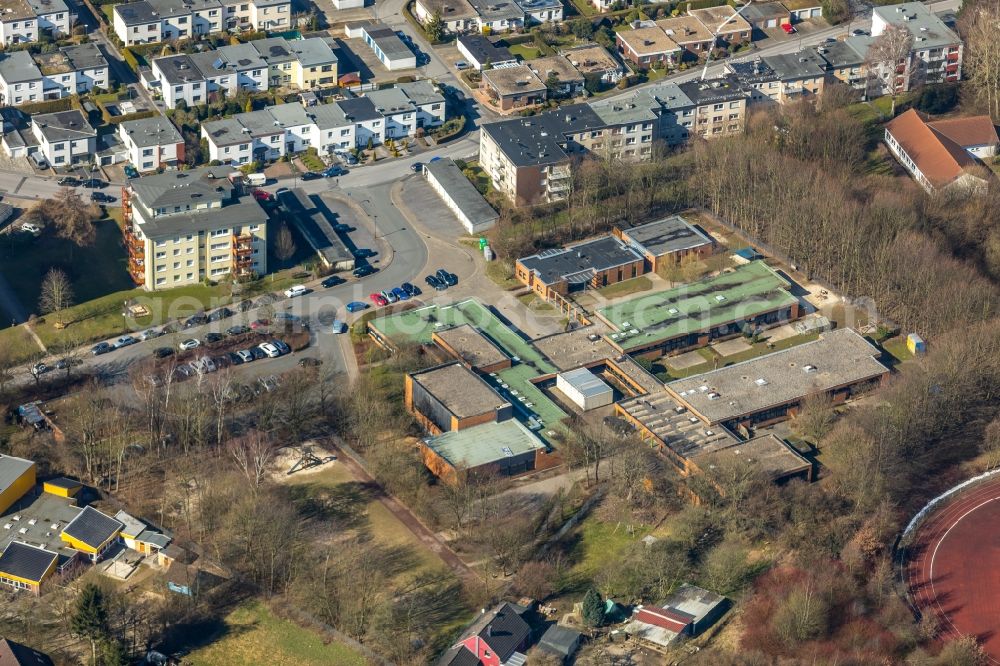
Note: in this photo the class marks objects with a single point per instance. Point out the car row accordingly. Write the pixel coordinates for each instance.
(441, 280)
(404, 292)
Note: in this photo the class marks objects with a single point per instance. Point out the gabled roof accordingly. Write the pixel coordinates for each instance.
(15, 654)
(92, 527)
(505, 632)
(939, 158)
(967, 132)
(26, 561)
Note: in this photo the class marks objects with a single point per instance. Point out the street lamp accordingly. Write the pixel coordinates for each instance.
(373, 216)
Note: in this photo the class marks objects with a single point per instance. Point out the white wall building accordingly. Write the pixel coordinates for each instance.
(585, 389)
(150, 21)
(64, 137)
(151, 143)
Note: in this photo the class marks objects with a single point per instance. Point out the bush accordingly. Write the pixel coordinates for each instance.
(130, 59)
(48, 106)
(937, 99)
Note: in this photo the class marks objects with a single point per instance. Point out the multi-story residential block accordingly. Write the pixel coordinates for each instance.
(150, 21)
(182, 227)
(720, 106)
(511, 88)
(488, 16)
(64, 137)
(269, 134)
(70, 70)
(152, 143)
(936, 53)
(782, 78)
(845, 60)
(23, 21)
(274, 62)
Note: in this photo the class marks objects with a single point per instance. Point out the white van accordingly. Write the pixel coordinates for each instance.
(256, 179)
(297, 290)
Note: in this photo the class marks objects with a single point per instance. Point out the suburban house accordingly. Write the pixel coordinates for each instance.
(594, 60)
(69, 70)
(729, 27)
(593, 263)
(687, 613)
(689, 33)
(304, 64)
(456, 16)
(276, 131)
(511, 88)
(936, 52)
(480, 52)
(559, 75)
(943, 154)
(185, 227)
(152, 143)
(764, 15)
(25, 21)
(151, 21)
(62, 138)
(384, 43)
(497, 638)
(648, 47)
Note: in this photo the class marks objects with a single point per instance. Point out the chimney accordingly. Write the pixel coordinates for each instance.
(489, 630)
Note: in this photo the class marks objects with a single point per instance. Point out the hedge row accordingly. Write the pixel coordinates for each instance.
(47, 106)
(117, 120)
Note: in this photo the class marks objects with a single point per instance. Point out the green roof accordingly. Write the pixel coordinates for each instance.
(743, 293)
(484, 444)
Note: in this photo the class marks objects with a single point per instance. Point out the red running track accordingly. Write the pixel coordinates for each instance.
(954, 566)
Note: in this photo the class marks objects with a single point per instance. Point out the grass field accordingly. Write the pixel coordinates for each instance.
(254, 635)
(525, 51)
(897, 349)
(598, 543)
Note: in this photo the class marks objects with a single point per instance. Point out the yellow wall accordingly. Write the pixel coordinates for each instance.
(17, 489)
(48, 572)
(78, 545)
(59, 490)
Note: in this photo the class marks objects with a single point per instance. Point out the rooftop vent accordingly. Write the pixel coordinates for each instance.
(760, 381)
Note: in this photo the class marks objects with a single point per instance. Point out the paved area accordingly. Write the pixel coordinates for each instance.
(730, 347)
(685, 360)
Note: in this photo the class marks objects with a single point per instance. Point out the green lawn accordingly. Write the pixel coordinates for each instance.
(525, 51)
(109, 11)
(254, 635)
(312, 162)
(635, 285)
(533, 302)
(897, 349)
(599, 543)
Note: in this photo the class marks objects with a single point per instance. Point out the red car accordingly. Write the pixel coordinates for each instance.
(378, 299)
(259, 323)
(788, 28)
(263, 196)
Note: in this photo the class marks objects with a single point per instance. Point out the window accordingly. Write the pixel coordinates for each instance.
(717, 107)
(244, 146)
(734, 105)
(182, 20)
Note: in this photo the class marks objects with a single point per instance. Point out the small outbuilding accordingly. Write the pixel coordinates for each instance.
(560, 641)
(915, 344)
(585, 389)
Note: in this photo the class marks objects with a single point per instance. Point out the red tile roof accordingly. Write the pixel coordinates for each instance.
(933, 146)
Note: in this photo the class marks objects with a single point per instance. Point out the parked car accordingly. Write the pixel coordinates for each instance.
(68, 181)
(68, 362)
(332, 281)
(434, 159)
(125, 341)
(94, 183)
(258, 324)
(246, 355)
(29, 228)
(39, 369)
(149, 334)
(213, 337)
(388, 296)
(378, 300)
(239, 329)
(281, 347)
(335, 171)
(39, 160)
(163, 352)
(364, 270)
(297, 290)
(130, 171)
(788, 28)
(364, 253)
(101, 197)
(400, 294)
(461, 64)
(263, 196)
(417, 167)
(257, 353)
(309, 362)
(410, 289)
(449, 279)
(183, 371)
(356, 306)
(270, 350)
(198, 319)
(433, 282)
(221, 313)
(287, 317)
(338, 327)
(101, 348)
(234, 358)
(190, 343)
(309, 175)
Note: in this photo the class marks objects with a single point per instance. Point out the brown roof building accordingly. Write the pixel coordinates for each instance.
(451, 397)
(689, 33)
(472, 348)
(724, 22)
(512, 88)
(945, 153)
(648, 47)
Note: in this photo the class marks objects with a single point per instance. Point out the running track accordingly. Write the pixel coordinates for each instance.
(954, 566)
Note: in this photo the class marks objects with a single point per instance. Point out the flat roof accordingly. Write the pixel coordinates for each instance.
(738, 294)
(538, 140)
(315, 226)
(646, 41)
(556, 66)
(928, 30)
(18, 66)
(685, 29)
(768, 453)
(11, 469)
(26, 561)
(518, 79)
(449, 10)
(578, 263)
(482, 49)
(463, 193)
(585, 381)
(460, 390)
(475, 348)
(50, 514)
(671, 234)
(15, 10)
(591, 58)
(721, 20)
(838, 358)
(92, 527)
(675, 426)
(484, 444)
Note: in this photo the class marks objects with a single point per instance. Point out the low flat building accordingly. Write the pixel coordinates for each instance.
(451, 397)
(510, 88)
(729, 27)
(594, 60)
(26, 567)
(480, 52)
(384, 43)
(585, 389)
(750, 297)
(690, 34)
(461, 196)
(138, 536)
(152, 143)
(312, 223)
(91, 533)
(506, 448)
(17, 477)
(764, 15)
(775, 459)
(648, 48)
(687, 613)
(593, 263)
(559, 75)
(943, 154)
(770, 388)
(667, 242)
(472, 348)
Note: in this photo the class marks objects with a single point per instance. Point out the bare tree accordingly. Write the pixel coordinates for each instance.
(252, 453)
(57, 293)
(889, 52)
(284, 244)
(982, 60)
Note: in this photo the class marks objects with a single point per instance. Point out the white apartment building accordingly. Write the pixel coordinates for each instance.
(71, 70)
(150, 21)
(151, 143)
(64, 137)
(936, 53)
(21, 21)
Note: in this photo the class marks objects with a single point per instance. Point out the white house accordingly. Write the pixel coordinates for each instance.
(73, 70)
(150, 21)
(52, 17)
(151, 143)
(64, 137)
(20, 79)
(21, 21)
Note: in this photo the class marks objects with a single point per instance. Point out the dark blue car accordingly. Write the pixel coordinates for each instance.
(356, 306)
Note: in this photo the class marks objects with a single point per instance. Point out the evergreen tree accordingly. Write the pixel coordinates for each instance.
(593, 608)
(90, 617)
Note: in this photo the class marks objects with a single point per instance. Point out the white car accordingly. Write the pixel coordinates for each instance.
(125, 341)
(150, 333)
(245, 355)
(190, 343)
(269, 349)
(203, 365)
(297, 290)
(30, 228)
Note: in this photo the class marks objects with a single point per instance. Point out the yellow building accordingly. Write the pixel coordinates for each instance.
(183, 227)
(91, 533)
(17, 477)
(303, 63)
(26, 567)
(62, 487)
